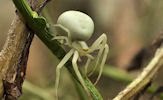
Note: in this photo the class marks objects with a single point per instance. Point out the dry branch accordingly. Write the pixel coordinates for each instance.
(144, 78)
(13, 59)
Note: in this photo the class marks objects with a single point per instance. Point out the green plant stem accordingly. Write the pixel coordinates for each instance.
(117, 74)
(39, 26)
(37, 91)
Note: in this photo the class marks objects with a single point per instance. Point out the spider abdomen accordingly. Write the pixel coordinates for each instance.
(80, 25)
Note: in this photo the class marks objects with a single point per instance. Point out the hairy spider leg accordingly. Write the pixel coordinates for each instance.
(75, 67)
(101, 41)
(58, 70)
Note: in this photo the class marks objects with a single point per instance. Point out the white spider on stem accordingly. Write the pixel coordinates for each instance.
(79, 27)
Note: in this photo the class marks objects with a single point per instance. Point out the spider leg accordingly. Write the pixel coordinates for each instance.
(59, 66)
(62, 39)
(75, 67)
(64, 32)
(62, 27)
(98, 44)
(97, 61)
(106, 50)
(86, 65)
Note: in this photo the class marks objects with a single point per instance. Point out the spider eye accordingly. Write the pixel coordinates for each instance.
(80, 25)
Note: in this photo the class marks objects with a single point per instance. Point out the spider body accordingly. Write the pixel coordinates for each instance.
(80, 25)
(74, 29)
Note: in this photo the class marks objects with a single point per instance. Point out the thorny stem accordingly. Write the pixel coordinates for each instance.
(45, 35)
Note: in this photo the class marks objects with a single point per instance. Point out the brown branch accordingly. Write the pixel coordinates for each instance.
(13, 58)
(144, 78)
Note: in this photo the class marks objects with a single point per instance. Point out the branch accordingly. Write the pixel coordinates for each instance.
(13, 59)
(142, 80)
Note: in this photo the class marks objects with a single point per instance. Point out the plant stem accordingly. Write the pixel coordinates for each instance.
(37, 91)
(117, 74)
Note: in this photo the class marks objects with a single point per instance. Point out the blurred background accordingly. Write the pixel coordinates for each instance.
(130, 26)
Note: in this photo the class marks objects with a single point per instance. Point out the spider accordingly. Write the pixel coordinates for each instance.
(75, 28)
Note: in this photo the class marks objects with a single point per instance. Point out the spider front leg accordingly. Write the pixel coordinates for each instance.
(87, 65)
(75, 67)
(97, 46)
(64, 34)
(106, 50)
(62, 39)
(58, 68)
(101, 45)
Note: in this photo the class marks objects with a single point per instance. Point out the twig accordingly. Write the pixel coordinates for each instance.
(11, 54)
(122, 76)
(142, 80)
(13, 59)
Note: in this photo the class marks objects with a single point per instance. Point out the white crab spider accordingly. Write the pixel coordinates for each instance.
(76, 28)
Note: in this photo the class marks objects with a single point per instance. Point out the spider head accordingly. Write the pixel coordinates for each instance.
(79, 25)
